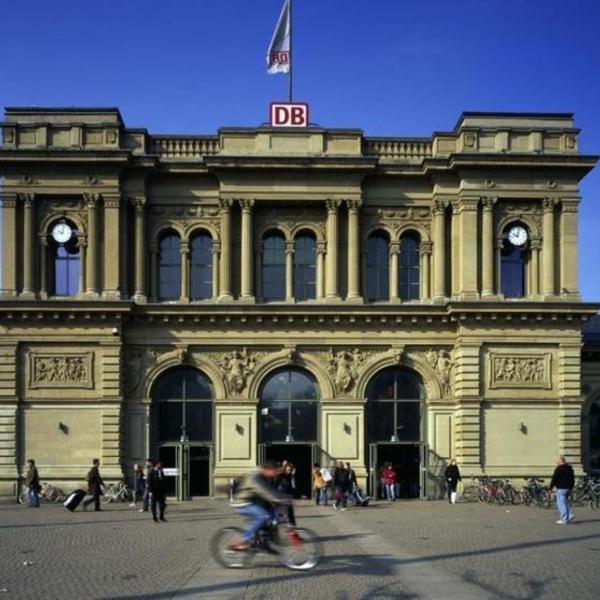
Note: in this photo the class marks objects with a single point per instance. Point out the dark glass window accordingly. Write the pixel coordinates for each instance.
(273, 267)
(512, 271)
(305, 258)
(288, 407)
(378, 267)
(594, 424)
(169, 268)
(65, 267)
(183, 405)
(408, 265)
(201, 267)
(394, 406)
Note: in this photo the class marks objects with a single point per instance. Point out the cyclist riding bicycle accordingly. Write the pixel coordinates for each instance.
(257, 499)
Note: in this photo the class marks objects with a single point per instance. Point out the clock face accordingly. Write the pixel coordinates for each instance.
(517, 236)
(62, 233)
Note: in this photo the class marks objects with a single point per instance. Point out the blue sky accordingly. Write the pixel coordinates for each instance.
(389, 67)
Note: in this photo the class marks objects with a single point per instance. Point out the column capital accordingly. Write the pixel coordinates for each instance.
(225, 204)
(425, 248)
(92, 200)
(289, 247)
(332, 205)
(536, 244)
(322, 247)
(354, 204)
(246, 204)
(548, 203)
(43, 239)
(438, 207)
(499, 243)
(394, 248)
(184, 247)
(26, 198)
(215, 247)
(82, 241)
(139, 203)
(111, 201)
(487, 202)
(9, 199)
(467, 204)
(569, 205)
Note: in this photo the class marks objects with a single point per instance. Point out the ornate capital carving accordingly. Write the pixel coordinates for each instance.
(246, 204)
(321, 247)
(139, 203)
(289, 247)
(548, 203)
(27, 179)
(225, 204)
(26, 198)
(438, 207)
(332, 205)
(426, 248)
(394, 248)
(184, 247)
(92, 200)
(354, 204)
(487, 202)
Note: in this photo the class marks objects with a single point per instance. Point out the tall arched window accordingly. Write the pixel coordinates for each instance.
(594, 435)
(409, 267)
(273, 267)
(182, 406)
(288, 407)
(395, 397)
(169, 267)
(64, 259)
(378, 267)
(201, 267)
(305, 258)
(513, 261)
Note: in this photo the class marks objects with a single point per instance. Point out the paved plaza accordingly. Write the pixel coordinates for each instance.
(404, 550)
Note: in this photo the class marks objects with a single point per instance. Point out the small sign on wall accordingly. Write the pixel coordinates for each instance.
(288, 114)
(171, 472)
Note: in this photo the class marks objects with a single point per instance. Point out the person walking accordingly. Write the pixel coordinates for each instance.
(95, 484)
(146, 497)
(32, 481)
(563, 480)
(452, 475)
(319, 486)
(157, 489)
(390, 478)
(139, 485)
(340, 482)
(327, 476)
(286, 484)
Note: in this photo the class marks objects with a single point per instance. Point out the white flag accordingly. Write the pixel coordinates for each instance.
(278, 55)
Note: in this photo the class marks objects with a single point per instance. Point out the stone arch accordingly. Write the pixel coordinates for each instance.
(411, 228)
(164, 227)
(309, 228)
(178, 358)
(291, 359)
(378, 228)
(196, 228)
(527, 220)
(278, 229)
(56, 216)
(433, 386)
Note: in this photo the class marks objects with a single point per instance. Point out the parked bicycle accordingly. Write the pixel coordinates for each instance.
(48, 493)
(586, 491)
(536, 494)
(117, 492)
(296, 548)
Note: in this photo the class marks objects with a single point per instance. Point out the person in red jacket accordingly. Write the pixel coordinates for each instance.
(389, 477)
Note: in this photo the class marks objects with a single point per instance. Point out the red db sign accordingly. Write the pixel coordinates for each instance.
(288, 114)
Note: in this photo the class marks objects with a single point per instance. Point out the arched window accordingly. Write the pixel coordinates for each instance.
(305, 258)
(288, 407)
(409, 267)
(594, 433)
(65, 260)
(378, 267)
(273, 267)
(169, 267)
(513, 261)
(201, 267)
(182, 406)
(394, 406)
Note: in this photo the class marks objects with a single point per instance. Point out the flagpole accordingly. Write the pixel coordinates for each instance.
(291, 55)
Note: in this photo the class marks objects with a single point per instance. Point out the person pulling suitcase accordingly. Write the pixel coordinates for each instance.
(95, 484)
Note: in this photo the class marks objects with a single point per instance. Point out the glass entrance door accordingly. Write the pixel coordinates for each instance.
(409, 462)
(187, 469)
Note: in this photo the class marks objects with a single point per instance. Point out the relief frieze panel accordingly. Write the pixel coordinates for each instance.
(67, 370)
(520, 370)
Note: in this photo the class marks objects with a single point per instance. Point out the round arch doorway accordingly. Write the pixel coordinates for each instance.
(394, 431)
(182, 430)
(288, 422)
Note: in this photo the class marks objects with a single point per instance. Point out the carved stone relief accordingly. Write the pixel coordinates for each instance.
(273, 218)
(344, 367)
(397, 218)
(65, 207)
(184, 217)
(517, 371)
(61, 370)
(236, 367)
(443, 362)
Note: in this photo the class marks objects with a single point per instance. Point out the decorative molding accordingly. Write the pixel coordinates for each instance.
(444, 363)
(236, 367)
(344, 367)
(510, 370)
(66, 370)
(28, 179)
(91, 180)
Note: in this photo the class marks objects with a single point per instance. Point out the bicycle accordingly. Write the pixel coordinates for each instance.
(470, 490)
(297, 548)
(534, 492)
(117, 493)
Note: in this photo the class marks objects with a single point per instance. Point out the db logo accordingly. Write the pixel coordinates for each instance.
(288, 114)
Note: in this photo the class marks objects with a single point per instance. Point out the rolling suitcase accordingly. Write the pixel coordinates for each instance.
(74, 500)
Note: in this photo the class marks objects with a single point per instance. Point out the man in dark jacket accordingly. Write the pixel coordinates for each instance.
(32, 481)
(564, 482)
(452, 475)
(95, 484)
(341, 481)
(158, 492)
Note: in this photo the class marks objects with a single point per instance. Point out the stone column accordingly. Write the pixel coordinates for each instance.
(439, 251)
(353, 250)
(321, 251)
(247, 279)
(569, 279)
(82, 244)
(216, 252)
(184, 249)
(332, 249)
(498, 245)
(28, 245)
(535, 267)
(225, 294)
(467, 276)
(9, 246)
(43, 245)
(548, 283)
(394, 253)
(289, 271)
(112, 254)
(153, 248)
(140, 249)
(92, 201)
(425, 253)
(487, 247)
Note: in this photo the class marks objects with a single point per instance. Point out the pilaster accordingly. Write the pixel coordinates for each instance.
(332, 250)
(225, 293)
(548, 278)
(184, 250)
(487, 247)
(354, 251)
(468, 255)
(439, 245)
(569, 278)
(139, 203)
(28, 248)
(8, 418)
(92, 287)
(112, 254)
(394, 252)
(247, 278)
(425, 254)
(9, 245)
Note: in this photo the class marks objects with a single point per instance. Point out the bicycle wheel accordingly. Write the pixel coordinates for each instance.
(109, 494)
(22, 497)
(299, 548)
(230, 559)
(52, 494)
